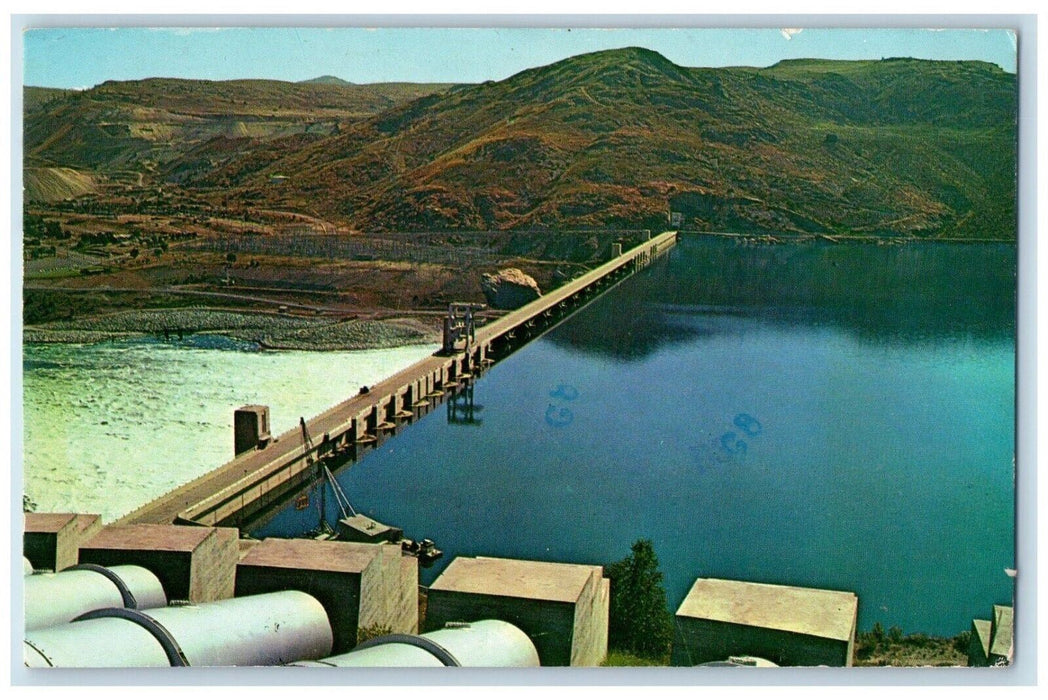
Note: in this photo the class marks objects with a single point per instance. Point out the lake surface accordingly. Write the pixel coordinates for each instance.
(836, 416)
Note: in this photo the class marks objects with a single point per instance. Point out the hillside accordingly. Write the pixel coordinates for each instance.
(616, 138)
(33, 98)
(56, 184)
(142, 125)
(326, 80)
(609, 139)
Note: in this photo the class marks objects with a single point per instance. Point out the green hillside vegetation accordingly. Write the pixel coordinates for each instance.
(893, 648)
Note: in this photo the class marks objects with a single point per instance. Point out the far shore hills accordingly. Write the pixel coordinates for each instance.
(325, 215)
(66, 305)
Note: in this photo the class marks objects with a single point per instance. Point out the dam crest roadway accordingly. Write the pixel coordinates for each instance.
(267, 471)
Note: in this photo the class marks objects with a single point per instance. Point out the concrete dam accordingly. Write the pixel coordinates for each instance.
(267, 470)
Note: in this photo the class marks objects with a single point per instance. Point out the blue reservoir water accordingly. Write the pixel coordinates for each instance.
(836, 416)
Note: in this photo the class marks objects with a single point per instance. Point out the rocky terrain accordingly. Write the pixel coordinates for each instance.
(349, 199)
(509, 288)
(165, 130)
(268, 330)
(614, 138)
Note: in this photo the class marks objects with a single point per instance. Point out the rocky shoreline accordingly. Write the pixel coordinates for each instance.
(268, 330)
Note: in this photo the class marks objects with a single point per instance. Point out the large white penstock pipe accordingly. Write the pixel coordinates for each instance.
(263, 630)
(488, 643)
(51, 599)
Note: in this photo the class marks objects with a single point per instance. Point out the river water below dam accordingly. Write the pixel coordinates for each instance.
(838, 416)
(111, 426)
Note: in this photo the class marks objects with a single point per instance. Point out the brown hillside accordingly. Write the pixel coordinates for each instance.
(56, 184)
(610, 139)
(144, 124)
(617, 138)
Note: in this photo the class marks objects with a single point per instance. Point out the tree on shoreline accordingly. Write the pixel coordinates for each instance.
(639, 621)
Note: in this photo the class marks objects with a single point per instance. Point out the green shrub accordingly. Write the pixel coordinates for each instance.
(372, 632)
(624, 658)
(920, 640)
(639, 621)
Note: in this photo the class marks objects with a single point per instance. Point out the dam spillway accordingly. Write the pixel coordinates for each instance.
(259, 479)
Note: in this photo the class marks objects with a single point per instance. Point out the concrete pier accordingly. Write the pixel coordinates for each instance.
(563, 608)
(51, 541)
(197, 564)
(787, 625)
(260, 479)
(363, 587)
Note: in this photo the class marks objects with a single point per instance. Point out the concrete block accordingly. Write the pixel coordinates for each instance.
(979, 643)
(361, 586)
(380, 592)
(245, 546)
(405, 610)
(991, 640)
(563, 608)
(193, 563)
(1001, 635)
(589, 644)
(250, 428)
(361, 528)
(52, 540)
(90, 525)
(787, 625)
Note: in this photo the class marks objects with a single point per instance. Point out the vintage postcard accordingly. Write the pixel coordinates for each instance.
(515, 346)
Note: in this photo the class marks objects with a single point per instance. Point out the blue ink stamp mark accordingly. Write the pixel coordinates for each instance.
(558, 417)
(565, 391)
(748, 424)
(732, 445)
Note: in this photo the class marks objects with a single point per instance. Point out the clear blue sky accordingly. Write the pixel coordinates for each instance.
(83, 57)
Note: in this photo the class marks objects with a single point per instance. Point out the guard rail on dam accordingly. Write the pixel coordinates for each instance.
(256, 481)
